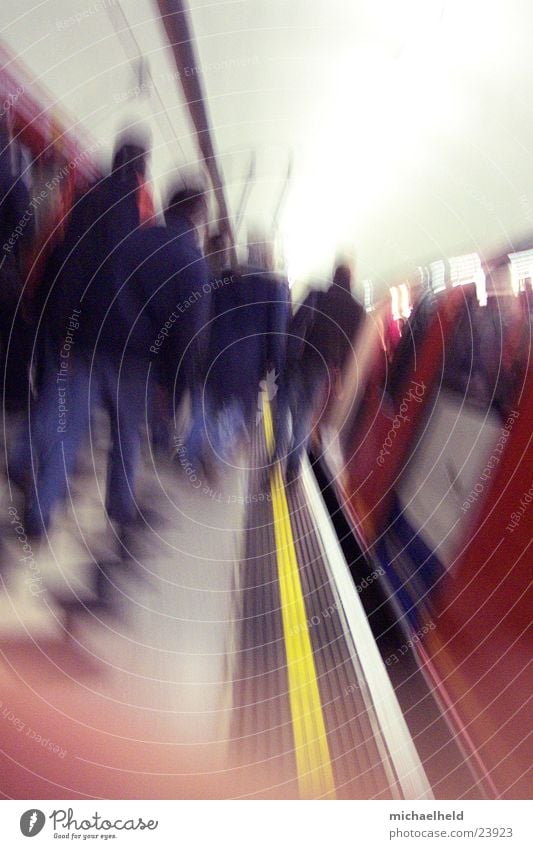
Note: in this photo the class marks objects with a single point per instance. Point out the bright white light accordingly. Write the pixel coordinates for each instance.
(368, 289)
(404, 304)
(481, 288)
(365, 147)
(379, 108)
(395, 303)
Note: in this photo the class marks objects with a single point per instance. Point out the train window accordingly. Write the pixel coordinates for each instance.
(424, 277)
(444, 469)
(521, 270)
(368, 294)
(467, 269)
(437, 275)
(479, 365)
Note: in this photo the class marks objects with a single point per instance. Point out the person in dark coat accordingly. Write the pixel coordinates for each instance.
(78, 278)
(320, 339)
(86, 265)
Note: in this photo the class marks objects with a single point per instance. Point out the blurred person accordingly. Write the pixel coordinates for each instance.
(320, 338)
(274, 309)
(101, 222)
(402, 360)
(503, 337)
(78, 277)
(249, 320)
(205, 404)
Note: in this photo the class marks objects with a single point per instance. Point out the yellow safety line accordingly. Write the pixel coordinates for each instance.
(313, 762)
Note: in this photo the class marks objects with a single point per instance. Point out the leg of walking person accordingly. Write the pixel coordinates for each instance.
(125, 394)
(305, 391)
(62, 417)
(40, 418)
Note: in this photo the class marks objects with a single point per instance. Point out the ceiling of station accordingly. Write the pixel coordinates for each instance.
(408, 125)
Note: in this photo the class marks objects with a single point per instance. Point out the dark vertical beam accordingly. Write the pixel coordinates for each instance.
(176, 21)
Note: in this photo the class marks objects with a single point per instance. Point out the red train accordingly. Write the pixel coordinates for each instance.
(433, 468)
(45, 150)
(433, 438)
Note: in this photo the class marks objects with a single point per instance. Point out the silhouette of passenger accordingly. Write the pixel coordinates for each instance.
(249, 320)
(113, 339)
(320, 339)
(79, 279)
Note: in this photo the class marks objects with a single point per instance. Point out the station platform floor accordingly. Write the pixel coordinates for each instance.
(220, 651)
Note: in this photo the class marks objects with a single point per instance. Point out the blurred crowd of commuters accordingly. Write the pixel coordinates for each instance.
(143, 318)
(151, 318)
